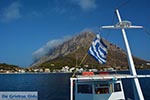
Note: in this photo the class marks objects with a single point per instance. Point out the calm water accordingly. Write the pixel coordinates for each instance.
(55, 86)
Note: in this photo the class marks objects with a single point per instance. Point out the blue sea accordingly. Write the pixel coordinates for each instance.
(56, 86)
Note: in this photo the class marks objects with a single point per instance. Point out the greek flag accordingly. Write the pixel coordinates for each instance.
(98, 50)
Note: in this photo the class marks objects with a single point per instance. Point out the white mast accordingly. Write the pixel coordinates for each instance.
(125, 25)
(130, 59)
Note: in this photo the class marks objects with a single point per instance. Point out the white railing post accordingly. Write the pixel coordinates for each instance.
(71, 89)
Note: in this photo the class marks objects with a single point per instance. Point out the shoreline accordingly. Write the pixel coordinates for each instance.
(66, 72)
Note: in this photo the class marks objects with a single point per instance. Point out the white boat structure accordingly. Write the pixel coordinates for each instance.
(105, 86)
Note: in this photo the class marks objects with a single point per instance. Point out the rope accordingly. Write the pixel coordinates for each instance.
(109, 31)
(123, 4)
(79, 64)
(83, 59)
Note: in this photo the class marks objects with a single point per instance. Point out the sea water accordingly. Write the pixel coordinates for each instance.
(56, 86)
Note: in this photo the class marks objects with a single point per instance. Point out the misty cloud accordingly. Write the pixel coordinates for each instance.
(48, 47)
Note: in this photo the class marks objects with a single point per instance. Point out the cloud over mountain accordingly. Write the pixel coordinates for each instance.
(48, 47)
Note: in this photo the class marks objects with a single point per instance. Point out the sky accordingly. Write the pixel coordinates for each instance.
(28, 28)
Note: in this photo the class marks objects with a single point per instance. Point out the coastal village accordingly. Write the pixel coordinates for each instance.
(66, 69)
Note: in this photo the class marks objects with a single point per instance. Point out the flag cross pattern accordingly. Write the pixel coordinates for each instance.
(98, 50)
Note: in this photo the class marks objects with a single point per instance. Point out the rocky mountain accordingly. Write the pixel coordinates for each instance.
(71, 53)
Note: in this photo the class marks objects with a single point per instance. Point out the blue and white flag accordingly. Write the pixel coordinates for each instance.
(98, 50)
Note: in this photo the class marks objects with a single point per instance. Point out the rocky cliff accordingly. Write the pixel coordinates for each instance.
(72, 52)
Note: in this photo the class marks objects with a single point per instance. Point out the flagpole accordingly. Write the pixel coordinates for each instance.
(131, 63)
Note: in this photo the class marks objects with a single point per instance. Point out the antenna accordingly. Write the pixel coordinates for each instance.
(127, 25)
